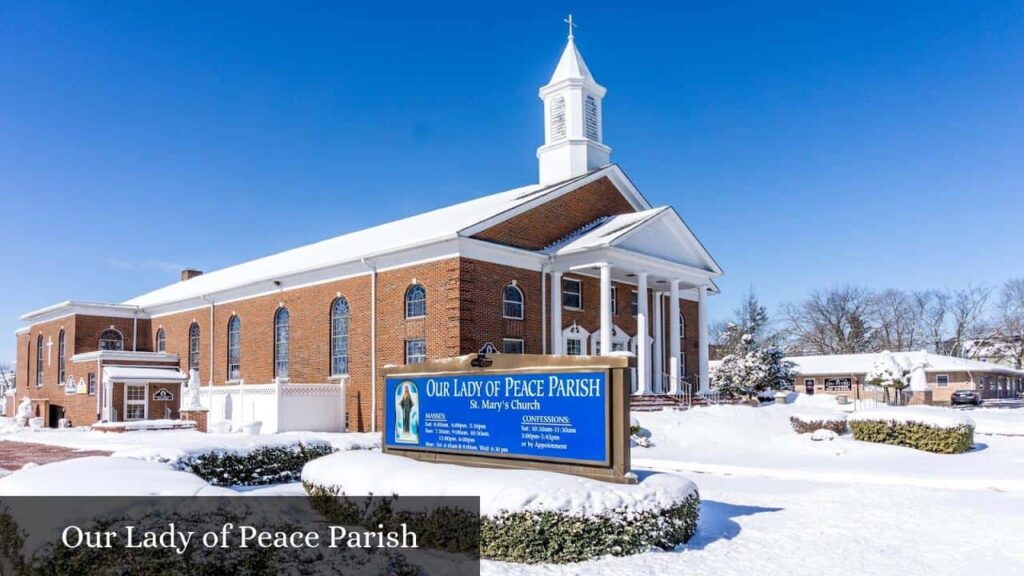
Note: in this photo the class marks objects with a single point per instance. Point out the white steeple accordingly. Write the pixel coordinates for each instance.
(572, 119)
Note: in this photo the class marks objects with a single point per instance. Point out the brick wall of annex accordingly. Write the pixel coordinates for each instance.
(544, 224)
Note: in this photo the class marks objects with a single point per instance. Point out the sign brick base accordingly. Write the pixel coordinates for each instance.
(197, 416)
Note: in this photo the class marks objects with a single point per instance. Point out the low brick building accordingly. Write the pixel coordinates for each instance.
(579, 263)
(846, 374)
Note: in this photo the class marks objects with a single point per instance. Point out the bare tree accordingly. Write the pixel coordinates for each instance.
(833, 321)
(899, 317)
(970, 331)
(6, 377)
(1011, 321)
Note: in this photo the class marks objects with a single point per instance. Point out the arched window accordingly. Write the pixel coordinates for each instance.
(161, 341)
(339, 337)
(590, 117)
(60, 358)
(512, 302)
(234, 348)
(416, 301)
(193, 346)
(281, 343)
(558, 118)
(682, 327)
(39, 361)
(111, 339)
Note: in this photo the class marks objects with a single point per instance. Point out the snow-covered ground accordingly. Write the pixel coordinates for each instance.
(768, 527)
(744, 441)
(774, 502)
(169, 445)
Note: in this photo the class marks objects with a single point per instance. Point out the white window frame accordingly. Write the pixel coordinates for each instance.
(144, 402)
(100, 340)
(578, 293)
(506, 341)
(421, 357)
(634, 306)
(940, 384)
(505, 303)
(574, 339)
(575, 332)
(615, 300)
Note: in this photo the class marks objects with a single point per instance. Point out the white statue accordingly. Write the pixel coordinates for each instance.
(24, 409)
(192, 392)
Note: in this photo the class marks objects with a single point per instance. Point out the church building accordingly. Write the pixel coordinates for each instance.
(579, 263)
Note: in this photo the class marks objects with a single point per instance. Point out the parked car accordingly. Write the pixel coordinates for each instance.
(966, 397)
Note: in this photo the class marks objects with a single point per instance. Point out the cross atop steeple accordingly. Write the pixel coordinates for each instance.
(571, 25)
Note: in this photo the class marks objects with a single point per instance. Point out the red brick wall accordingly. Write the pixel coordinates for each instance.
(464, 310)
(544, 224)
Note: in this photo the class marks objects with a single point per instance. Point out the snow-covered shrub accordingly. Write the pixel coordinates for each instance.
(823, 435)
(525, 515)
(554, 537)
(806, 424)
(263, 465)
(928, 431)
(750, 372)
(891, 375)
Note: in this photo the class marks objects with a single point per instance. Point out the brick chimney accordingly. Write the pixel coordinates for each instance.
(190, 273)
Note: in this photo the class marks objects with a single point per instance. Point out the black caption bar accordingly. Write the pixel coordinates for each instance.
(234, 535)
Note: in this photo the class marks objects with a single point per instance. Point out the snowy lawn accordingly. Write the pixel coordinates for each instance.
(105, 476)
(744, 441)
(173, 445)
(766, 527)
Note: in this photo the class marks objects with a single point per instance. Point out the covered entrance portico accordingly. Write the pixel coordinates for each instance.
(655, 251)
(141, 393)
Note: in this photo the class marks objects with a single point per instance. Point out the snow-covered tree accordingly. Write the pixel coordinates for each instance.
(891, 375)
(752, 370)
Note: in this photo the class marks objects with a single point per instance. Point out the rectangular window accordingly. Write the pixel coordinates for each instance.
(92, 384)
(512, 346)
(615, 300)
(636, 303)
(574, 347)
(134, 402)
(415, 351)
(572, 293)
(942, 380)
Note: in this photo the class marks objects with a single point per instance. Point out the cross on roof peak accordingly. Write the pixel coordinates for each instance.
(571, 25)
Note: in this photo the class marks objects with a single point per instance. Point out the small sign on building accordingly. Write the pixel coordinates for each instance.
(81, 387)
(70, 387)
(163, 395)
(488, 348)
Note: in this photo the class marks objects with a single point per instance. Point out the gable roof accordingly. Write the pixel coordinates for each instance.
(644, 232)
(437, 225)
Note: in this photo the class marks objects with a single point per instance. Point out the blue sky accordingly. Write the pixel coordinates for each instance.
(807, 144)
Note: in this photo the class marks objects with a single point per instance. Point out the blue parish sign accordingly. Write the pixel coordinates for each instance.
(559, 416)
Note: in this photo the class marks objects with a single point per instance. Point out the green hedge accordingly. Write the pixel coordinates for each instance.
(265, 465)
(552, 537)
(915, 435)
(804, 426)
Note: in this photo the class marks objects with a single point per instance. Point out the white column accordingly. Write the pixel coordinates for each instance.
(606, 309)
(643, 359)
(659, 343)
(702, 338)
(673, 336)
(556, 312)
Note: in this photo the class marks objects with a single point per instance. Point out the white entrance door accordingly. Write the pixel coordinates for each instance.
(135, 405)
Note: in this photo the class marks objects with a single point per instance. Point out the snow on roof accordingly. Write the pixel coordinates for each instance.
(416, 230)
(605, 232)
(862, 363)
(138, 373)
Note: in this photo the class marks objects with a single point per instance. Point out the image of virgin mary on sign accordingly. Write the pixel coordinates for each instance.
(407, 413)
